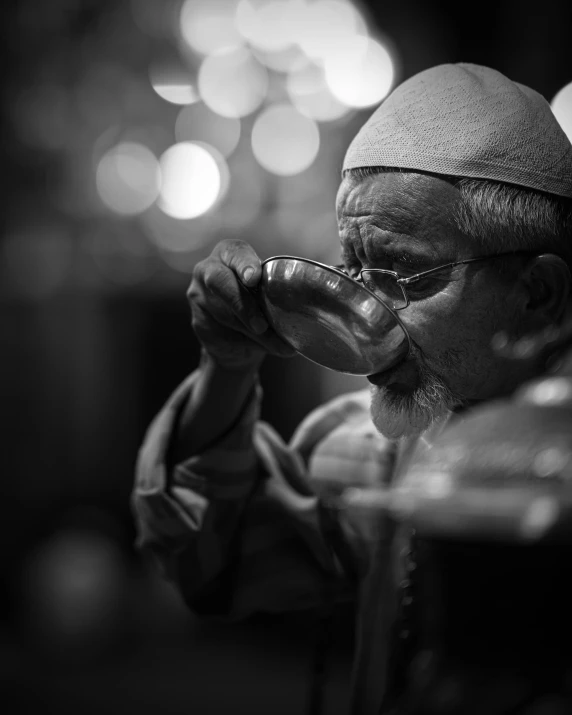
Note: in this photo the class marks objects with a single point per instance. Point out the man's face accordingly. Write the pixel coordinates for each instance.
(402, 222)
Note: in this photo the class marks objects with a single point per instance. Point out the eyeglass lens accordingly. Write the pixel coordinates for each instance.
(387, 286)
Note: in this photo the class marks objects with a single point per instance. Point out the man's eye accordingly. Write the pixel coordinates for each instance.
(422, 285)
(403, 270)
(428, 284)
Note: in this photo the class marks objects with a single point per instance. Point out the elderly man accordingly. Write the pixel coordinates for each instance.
(460, 172)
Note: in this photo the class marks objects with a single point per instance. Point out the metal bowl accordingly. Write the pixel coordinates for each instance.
(329, 318)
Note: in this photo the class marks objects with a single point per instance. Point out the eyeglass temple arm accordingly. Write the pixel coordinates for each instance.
(417, 276)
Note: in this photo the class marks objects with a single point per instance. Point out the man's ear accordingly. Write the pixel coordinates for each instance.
(548, 283)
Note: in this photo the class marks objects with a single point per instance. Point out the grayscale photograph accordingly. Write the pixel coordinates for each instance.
(286, 308)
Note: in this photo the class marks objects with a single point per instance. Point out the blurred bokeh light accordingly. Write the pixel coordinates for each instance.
(287, 60)
(269, 26)
(284, 141)
(232, 82)
(176, 238)
(128, 178)
(325, 26)
(256, 74)
(74, 585)
(172, 84)
(361, 73)
(562, 107)
(208, 26)
(192, 180)
(311, 95)
(199, 123)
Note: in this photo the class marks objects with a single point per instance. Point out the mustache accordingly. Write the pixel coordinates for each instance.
(397, 413)
(433, 389)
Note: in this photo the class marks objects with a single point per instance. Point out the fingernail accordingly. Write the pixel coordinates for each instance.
(258, 325)
(247, 274)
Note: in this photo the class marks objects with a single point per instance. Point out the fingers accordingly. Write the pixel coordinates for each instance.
(217, 287)
(241, 258)
(222, 336)
(243, 263)
(226, 316)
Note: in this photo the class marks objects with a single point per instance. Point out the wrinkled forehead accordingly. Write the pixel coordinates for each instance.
(410, 204)
(409, 196)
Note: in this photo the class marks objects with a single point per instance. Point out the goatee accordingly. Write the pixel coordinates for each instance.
(397, 412)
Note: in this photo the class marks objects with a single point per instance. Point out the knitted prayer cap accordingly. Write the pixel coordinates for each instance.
(467, 120)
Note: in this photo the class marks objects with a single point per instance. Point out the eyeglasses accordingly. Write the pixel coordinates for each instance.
(399, 291)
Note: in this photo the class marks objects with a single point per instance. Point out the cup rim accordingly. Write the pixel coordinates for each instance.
(355, 285)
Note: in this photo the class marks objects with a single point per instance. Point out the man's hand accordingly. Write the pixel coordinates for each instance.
(226, 316)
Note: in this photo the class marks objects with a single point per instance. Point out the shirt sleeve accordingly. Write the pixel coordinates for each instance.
(241, 529)
(236, 528)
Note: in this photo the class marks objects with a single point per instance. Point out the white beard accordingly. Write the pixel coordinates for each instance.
(396, 414)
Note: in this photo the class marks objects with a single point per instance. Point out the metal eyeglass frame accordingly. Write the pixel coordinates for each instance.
(402, 282)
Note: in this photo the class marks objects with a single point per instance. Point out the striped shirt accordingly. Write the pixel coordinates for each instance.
(251, 524)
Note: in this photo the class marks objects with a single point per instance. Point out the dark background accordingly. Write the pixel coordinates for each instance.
(89, 355)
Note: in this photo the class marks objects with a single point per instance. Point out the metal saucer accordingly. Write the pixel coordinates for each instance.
(329, 318)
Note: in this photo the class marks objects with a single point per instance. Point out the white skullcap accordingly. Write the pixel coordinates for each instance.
(467, 120)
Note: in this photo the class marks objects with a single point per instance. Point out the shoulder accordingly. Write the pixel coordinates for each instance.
(342, 448)
(341, 423)
(351, 408)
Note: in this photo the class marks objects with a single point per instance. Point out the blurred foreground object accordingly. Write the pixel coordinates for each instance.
(484, 620)
(505, 471)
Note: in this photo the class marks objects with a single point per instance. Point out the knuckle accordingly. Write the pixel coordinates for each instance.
(197, 272)
(233, 248)
(194, 290)
(194, 293)
(212, 276)
(199, 266)
(237, 305)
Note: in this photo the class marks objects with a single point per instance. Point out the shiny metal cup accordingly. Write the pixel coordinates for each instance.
(329, 318)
